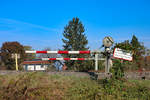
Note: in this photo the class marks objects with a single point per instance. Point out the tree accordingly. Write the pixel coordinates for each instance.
(137, 47)
(138, 50)
(29, 56)
(9, 48)
(75, 39)
(124, 45)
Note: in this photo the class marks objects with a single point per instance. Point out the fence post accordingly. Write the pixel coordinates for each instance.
(16, 58)
(96, 61)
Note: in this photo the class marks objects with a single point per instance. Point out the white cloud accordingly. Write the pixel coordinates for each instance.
(28, 34)
(16, 24)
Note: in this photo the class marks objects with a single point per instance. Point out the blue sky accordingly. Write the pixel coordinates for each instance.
(40, 23)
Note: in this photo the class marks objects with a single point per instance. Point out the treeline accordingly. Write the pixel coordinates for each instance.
(141, 54)
(75, 39)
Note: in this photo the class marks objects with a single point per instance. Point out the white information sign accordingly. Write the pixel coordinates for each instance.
(122, 54)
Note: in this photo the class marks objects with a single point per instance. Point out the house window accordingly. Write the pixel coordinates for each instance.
(42, 66)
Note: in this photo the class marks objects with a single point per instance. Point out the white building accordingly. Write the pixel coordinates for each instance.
(35, 65)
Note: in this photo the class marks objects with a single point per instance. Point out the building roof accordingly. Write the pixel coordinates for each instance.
(36, 62)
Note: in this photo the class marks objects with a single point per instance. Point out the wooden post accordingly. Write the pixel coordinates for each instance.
(16, 59)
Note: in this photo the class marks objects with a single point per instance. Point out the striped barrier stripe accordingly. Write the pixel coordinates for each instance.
(60, 52)
(65, 59)
(70, 59)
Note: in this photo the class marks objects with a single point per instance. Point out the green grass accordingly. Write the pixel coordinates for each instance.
(42, 86)
(145, 83)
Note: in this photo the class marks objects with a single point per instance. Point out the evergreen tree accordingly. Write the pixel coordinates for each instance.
(74, 40)
(124, 45)
(138, 50)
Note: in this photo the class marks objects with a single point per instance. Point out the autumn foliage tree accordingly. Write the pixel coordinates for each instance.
(9, 48)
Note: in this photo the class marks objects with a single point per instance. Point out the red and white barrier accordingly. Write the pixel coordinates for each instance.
(69, 52)
(65, 58)
(70, 59)
(60, 52)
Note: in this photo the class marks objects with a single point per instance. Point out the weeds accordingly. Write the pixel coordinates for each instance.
(41, 86)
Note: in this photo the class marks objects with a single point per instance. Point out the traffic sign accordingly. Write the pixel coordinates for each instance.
(122, 54)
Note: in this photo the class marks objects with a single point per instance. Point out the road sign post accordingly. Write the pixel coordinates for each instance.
(107, 60)
(107, 42)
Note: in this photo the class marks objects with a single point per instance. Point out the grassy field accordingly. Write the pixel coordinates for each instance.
(42, 86)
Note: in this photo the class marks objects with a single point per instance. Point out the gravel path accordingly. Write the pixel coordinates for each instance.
(64, 73)
(128, 75)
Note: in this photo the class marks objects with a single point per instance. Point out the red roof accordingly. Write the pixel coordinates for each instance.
(36, 62)
(147, 58)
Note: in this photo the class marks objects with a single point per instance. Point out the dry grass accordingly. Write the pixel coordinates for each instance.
(39, 86)
(42, 86)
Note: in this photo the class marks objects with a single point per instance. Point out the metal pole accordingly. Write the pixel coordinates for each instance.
(106, 65)
(16, 61)
(107, 62)
(96, 62)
